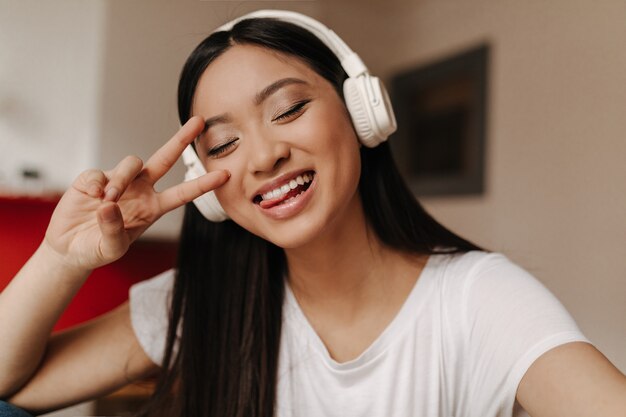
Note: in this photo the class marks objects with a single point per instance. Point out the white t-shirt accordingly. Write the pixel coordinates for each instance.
(459, 346)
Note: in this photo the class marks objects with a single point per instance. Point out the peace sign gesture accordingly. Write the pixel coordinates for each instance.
(103, 212)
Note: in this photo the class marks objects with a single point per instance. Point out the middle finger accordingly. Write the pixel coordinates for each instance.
(123, 174)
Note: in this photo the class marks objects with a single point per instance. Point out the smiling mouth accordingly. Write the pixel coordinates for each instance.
(286, 192)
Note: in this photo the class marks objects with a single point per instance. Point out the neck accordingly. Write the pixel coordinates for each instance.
(348, 267)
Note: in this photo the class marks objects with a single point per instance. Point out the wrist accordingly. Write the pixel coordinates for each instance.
(57, 261)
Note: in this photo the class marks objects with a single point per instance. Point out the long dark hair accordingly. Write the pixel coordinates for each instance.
(229, 288)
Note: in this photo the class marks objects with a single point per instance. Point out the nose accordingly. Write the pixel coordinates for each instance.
(267, 153)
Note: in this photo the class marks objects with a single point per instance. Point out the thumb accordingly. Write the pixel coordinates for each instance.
(115, 240)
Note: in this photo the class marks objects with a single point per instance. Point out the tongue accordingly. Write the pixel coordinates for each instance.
(276, 201)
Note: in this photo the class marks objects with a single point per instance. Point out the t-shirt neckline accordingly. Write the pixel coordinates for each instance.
(406, 315)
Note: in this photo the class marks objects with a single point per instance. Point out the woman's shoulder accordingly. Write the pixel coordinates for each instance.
(462, 267)
(161, 282)
(485, 270)
(487, 291)
(149, 305)
(481, 275)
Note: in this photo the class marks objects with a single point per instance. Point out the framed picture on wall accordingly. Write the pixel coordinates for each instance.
(441, 110)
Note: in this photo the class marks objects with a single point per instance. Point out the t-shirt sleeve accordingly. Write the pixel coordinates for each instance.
(149, 313)
(511, 320)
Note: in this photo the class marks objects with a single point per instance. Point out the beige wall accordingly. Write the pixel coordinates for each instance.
(49, 97)
(556, 171)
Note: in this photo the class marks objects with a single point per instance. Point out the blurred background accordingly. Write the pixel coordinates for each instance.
(84, 83)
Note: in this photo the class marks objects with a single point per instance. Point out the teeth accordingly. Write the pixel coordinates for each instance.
(285, 188)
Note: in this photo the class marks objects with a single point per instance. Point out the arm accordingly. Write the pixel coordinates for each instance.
(573, 380)
(86, 362)
(525, 345)
(29, 308)
(94, 223)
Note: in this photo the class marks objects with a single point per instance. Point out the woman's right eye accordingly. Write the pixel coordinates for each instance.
(218, 150)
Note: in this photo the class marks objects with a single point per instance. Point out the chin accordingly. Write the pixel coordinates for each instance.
(294, 235)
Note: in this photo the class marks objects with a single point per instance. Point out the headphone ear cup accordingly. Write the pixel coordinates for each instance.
(370, 108)
(358, 111)
(208, 203)
(210, 207)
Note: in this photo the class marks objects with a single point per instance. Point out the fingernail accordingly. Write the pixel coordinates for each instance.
(111, 194)
(108, 215)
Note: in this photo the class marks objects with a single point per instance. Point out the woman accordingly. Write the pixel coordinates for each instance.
(330, 291)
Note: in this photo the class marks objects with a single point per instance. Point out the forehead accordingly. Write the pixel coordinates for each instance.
(244, 70)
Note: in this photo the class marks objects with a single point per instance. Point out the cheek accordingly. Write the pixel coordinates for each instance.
(341, 151)
(350, 165)
(329, 130)
(231, 197)
(230, 194)
(351, 169)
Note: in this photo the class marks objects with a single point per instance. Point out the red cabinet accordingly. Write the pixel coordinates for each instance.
(23, 222)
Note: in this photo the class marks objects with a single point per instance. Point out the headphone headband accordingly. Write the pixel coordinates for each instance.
(350, 61)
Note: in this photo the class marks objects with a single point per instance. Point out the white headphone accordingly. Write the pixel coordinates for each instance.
(366, 99)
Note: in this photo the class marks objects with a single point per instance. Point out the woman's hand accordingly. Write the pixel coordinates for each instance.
(103, 212)
(94, 224)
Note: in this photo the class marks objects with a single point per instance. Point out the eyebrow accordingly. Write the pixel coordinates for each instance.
(212, 121)
(259, 98)
(274, 87)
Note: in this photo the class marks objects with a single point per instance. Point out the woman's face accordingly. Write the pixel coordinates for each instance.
(285, 135)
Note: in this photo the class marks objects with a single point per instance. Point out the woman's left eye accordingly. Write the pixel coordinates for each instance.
(296, 109)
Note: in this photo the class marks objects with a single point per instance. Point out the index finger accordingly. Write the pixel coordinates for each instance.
(167, 155)
(188, 191)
